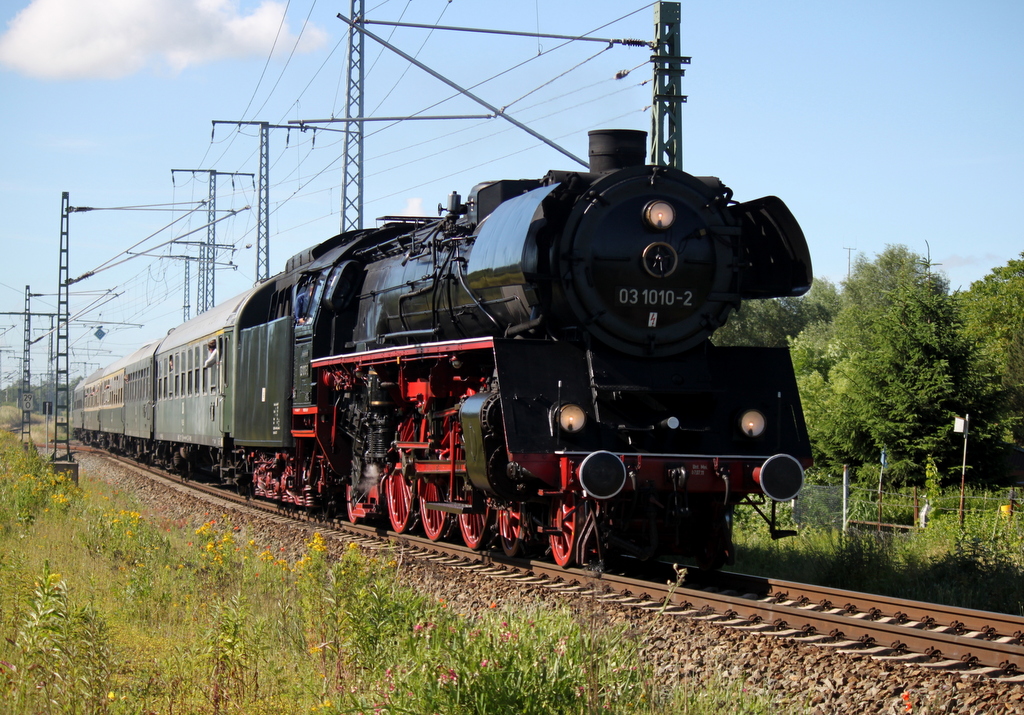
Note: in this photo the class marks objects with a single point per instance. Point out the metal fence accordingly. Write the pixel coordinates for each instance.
(841, 506)
(820, 506)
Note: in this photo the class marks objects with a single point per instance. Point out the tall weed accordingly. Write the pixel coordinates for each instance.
(62, 658)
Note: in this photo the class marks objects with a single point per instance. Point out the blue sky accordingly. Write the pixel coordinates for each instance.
(877, 123)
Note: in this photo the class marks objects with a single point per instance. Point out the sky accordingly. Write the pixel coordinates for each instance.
(877, 122)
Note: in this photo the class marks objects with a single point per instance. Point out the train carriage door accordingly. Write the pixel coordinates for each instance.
(148, 399)
(210, 367)
(221, 372)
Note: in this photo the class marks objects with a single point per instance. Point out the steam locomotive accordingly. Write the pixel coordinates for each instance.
(531, 369)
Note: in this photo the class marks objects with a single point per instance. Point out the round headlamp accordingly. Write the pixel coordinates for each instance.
(659, 215)
(752, 423)
(571, 418)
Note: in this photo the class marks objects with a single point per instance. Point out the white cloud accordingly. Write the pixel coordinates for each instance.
(76, 39)
(413, 207)
(957, 261)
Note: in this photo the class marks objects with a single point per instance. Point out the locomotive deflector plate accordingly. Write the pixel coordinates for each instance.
(530, 372)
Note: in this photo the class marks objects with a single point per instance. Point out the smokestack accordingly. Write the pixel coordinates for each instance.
(612, 149)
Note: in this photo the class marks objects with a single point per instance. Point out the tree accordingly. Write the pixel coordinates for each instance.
(994, 317)
(774, 322)
(895, 371)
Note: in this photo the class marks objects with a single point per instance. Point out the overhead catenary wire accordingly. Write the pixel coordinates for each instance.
(169, 206)
(288, 60)
(277, 205)
(539, 35)
(461, 91)
(306, 150)
(558, 77)
(102, 266)
(520, 64)
(466, 92)
(255, 90)
(98, 303)
(380, 53)
(330, 165)
(111, 263)
(270, 55)
(407, 67)
(460, 171)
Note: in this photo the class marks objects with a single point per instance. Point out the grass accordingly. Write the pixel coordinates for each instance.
(10, 421)
(104, 609)
(978, 566)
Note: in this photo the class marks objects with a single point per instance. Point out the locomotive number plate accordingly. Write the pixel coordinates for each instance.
(652, 296)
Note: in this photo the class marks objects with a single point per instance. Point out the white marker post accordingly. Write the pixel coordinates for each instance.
(962, 424)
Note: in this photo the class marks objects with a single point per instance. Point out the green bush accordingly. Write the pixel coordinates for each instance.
(29, 487)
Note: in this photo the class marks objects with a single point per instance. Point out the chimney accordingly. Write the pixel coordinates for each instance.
(612, 149)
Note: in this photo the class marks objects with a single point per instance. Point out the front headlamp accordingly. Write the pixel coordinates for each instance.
(571, 418)
(659, 215)
(752, 423)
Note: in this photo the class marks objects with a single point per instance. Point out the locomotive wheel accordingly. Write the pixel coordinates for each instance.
(510, 528)
(350, 504)
(436, 524)
(474, 528)
(400, 502)
(563, 542)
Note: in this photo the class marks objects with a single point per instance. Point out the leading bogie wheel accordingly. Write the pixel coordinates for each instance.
(510, 530)
(475, 528)
(563, 541)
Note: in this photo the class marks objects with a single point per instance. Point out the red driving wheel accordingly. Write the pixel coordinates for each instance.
(436, 523)
(400, 501)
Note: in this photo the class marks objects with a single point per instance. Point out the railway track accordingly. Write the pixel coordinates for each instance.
(980, 643)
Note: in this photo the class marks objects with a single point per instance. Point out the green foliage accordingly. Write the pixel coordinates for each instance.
(10, 418)
(61, 654)
(122, 535)
(774, 322)
(894, 371)
(29, 487)
(537, 662)
(233, 650)
(977, 565)
(888, 362)
(994, 318)
(932, 478)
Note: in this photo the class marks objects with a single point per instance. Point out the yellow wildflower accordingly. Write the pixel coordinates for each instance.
(317, 543)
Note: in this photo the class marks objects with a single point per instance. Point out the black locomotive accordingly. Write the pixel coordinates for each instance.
(531, 368)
